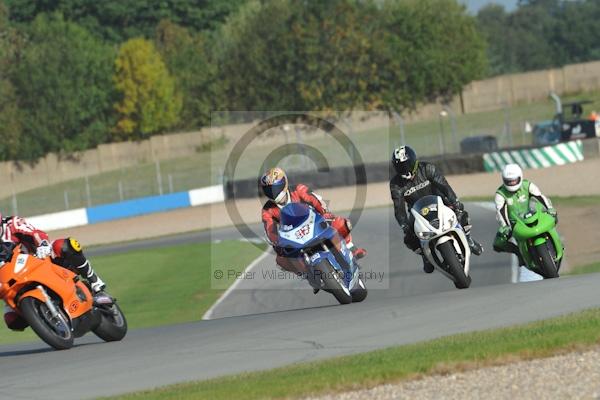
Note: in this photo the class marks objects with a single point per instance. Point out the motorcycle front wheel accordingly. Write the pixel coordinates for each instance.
(546, 265)
(55, 330)
(455, 268)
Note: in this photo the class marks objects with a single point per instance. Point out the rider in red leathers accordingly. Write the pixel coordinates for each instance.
(274, 184)
(64, 252)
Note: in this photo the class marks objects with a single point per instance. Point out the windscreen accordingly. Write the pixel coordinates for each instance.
(293, 215)
(427, 207)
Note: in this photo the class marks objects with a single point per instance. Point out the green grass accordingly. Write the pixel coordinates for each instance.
(576, 201)
(585, 269)
(165, 285)
(570, 201)
(206, 166)
(451, 353)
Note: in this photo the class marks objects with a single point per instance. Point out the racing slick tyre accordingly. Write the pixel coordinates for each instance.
(546, 265)
(334, 283)
(54, 330)
(360, 292)
(455, 268)
(113, 326)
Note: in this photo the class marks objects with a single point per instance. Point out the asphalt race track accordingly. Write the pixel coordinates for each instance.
(276, 324)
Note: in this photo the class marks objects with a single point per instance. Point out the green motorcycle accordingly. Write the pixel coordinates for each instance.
(538, 241)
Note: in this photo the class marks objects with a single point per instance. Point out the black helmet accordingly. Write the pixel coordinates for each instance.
(404, 160)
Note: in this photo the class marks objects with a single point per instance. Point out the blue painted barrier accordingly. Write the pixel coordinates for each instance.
(132, 208)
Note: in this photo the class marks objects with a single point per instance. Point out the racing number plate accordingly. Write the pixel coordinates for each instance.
(303, 231)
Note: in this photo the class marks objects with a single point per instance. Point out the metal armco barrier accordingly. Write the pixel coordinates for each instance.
(347, 176)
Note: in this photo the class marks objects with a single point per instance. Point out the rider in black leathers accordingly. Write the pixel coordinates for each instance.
(414, 179)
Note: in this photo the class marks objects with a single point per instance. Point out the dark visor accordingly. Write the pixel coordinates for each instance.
(512, 182)
(272, 191)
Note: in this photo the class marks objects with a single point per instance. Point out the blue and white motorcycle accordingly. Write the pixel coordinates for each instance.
(304, 233)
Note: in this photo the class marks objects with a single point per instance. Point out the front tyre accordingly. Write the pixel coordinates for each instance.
(54, 330)
(546, 265)
(333, 282)
(113, 325)
(455, 268)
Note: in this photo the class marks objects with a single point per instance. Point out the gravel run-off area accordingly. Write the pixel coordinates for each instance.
(570, 376)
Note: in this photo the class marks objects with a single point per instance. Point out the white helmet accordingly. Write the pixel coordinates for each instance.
(512, 177)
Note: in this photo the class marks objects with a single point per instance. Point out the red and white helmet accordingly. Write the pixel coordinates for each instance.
(512, 177)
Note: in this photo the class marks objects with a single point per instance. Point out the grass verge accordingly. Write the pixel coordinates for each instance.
(585, 269)
(165, 285)
(560, 201)
(459, 352)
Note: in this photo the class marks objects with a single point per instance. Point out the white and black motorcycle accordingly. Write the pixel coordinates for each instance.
(443, 239)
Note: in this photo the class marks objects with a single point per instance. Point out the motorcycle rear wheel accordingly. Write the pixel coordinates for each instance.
(55, 331)
(113, 326)
(546, 265)
(360, 293)
(333, 282)
(455, 268)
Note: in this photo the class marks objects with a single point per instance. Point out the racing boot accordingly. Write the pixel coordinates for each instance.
(357, 252)
(476, 248)
(427, 266)
(13, 320)
(513, 248)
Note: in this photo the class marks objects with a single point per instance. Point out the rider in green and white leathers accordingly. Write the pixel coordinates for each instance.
(512, 198)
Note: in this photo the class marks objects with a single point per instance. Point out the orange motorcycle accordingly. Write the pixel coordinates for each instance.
(57, 305)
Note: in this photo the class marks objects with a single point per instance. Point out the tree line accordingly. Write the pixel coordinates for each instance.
(77, 73)
(540, 34)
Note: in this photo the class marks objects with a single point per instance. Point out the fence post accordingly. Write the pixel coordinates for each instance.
(15, 209)
(507, 126)
(442, 139)
(88, 192)
(66, 195)
(450, 112)
(120, 187)
(398, 119)
(303, 158)
(170, 178)
(158, 177)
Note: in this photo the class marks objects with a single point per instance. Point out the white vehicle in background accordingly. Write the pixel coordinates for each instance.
(443, 240)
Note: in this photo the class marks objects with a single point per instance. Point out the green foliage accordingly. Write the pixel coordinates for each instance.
(149, 102)
(207, 55)
(346, 54)
(63, 79)
(118, 20)
(427, 49)
(187, 56)
(10, 125)
(540, 34)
